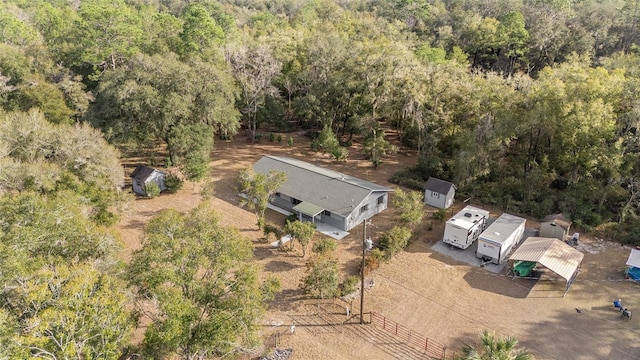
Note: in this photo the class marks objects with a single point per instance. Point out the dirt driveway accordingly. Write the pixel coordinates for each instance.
(429, 293)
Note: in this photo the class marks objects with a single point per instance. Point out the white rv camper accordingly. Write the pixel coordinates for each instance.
(465, 227)
(500, 237)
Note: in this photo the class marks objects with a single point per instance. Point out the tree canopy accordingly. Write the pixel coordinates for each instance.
(206, 297)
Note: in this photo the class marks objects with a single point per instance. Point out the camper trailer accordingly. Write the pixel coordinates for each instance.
(465, 227)
(499, 238)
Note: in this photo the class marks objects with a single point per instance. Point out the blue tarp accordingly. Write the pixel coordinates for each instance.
(633, 273)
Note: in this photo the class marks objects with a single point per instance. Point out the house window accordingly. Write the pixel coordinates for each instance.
(295, 201)
(326, 212)
(435, 195)
(381, 200)
(364, 208)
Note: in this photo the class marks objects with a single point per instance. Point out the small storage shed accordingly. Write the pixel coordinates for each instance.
(553, 254)
(144, 175)
(555, 226)
(439, 193)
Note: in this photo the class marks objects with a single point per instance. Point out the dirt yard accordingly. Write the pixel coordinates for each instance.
(429, 293)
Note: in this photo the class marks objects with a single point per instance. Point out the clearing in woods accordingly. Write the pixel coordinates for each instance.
(432, 294)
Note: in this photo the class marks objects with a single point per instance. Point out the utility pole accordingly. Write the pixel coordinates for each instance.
(364, 237)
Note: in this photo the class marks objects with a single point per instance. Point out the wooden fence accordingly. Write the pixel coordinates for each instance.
(430, 347)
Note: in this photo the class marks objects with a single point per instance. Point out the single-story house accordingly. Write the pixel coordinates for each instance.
(321, 195)
(555, 255)
(439, 193)
(555, 226)
(144, 175)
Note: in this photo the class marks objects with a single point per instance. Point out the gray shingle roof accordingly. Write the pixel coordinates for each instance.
(142, 172)
(333, 191)
(437, 185)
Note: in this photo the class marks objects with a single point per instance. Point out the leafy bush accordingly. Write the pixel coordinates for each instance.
(279, 138)
(339, 153)
(408, 177)
(105, 217)
(268, 229)
(173, 182)
(272, 137)
(324, 246)
(349, 285)
(269, 288)
(394, 241)
(409, 206)
(373, 260)
(290, 218)
(290, 141)
(321, 279)
(440, 214)
(152, 189)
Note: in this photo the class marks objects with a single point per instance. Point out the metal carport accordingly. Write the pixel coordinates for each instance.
(553, 254)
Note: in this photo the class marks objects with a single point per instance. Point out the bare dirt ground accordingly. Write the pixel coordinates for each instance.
(431, 294)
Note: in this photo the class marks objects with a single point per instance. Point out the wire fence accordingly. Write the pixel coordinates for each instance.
(430, 347)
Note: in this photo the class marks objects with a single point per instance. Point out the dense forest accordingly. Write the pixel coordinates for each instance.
(530, 105)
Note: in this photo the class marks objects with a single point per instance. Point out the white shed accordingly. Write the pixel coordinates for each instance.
(144, 175)
(439, 193)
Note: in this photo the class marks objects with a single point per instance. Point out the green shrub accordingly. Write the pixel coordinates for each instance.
(272, 137)
(394, 241)
(324, 246)
(268, 229)
(290, 141)
(152, 189)
(173, 182)
(105, 217)
(373, 260)
(279, 138)
(339, 153)
(322, 279)
(440, 214)
(290, 218)
(270, 287)
(349, 285)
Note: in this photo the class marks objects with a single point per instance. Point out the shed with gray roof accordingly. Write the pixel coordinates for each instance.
(318, 194)
(144, 175)
(439, 193)
(555, 226)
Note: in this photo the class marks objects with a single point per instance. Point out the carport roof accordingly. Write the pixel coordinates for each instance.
(553, 254)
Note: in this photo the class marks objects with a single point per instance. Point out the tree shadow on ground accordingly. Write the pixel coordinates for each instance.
(499, 285)
(278, 266)
(284, 299)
